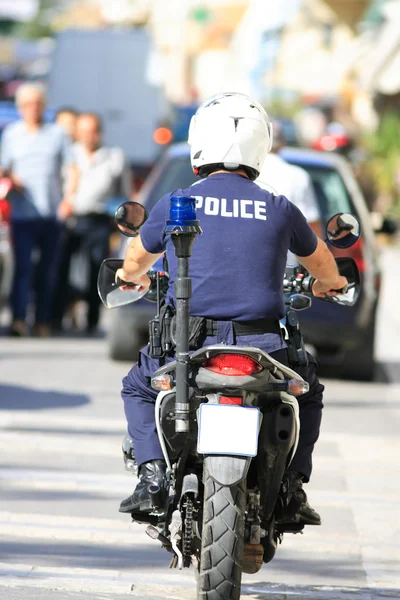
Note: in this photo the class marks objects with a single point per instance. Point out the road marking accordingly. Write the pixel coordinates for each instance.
(38, 479)
(58, 444)
(88, 530)
(41, 421)
(100, 580)
(173, 585)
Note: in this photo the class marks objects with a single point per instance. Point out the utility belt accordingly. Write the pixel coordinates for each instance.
(162, 331)
(256, 327)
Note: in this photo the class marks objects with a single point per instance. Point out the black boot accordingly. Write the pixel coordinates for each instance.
(299, 510)
(150, 473)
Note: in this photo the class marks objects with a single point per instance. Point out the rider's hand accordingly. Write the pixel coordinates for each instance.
(17, 183)
(64, 210)
(320, 290)
(142, 283)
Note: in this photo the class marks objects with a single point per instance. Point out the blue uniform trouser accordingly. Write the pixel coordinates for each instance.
(139, 399)
(42, 235)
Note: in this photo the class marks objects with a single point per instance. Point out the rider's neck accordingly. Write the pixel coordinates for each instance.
(237, 172)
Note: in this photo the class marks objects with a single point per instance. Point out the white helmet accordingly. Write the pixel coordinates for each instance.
(229, 130)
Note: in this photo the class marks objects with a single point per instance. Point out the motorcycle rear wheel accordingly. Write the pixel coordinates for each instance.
(220, 569)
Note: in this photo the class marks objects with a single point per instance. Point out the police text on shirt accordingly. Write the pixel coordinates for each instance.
(245, 209)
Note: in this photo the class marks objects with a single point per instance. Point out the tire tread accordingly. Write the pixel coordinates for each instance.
(222, 541)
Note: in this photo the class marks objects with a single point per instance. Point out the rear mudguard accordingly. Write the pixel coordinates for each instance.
(227, 470)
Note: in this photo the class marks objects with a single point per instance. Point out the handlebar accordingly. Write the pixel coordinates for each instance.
(298, 283)
(302, 283)
(120, 282)
(155, 288)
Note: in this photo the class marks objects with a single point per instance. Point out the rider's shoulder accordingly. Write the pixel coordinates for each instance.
(280, 202)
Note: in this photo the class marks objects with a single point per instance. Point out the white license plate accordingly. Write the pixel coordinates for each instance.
(227, 429)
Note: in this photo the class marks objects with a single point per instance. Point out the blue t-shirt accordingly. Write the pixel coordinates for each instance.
(37, 159)
(238, 264)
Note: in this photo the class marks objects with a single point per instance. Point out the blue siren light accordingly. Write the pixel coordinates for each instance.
(182, 210)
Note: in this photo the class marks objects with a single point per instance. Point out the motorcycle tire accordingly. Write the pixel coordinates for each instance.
(220, 568)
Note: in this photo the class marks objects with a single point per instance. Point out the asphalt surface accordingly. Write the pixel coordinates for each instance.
(62, 478)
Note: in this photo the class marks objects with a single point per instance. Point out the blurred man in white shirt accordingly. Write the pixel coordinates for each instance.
(97, 175)
(283, 179)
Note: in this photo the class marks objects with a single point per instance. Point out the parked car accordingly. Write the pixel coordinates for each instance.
(348, 350)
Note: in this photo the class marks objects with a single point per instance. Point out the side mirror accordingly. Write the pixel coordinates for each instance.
(343, 230)
(129, 218)
(347, 268)
(109, 291)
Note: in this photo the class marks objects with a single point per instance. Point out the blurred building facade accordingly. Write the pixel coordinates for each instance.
(337, 50)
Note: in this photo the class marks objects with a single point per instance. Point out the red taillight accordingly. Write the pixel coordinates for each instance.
(5, 210)
(238, 401)
(232, 364)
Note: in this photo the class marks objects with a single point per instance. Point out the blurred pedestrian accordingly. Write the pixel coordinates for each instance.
(33, 154)
(97, 175)
(66, 118)
(283, 179)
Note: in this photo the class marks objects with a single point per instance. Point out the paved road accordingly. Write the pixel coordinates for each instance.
(61, 423)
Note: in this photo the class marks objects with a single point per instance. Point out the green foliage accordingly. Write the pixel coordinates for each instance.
(384, 163)
(201, 14)
(33, 30)
(283, 108)
(39, 26)
(7, 26)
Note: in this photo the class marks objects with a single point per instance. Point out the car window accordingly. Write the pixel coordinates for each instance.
(331, 192)
(176, 173)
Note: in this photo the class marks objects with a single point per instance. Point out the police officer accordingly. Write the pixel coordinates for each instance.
(237, 267)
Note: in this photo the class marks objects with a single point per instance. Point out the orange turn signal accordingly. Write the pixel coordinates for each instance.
(297, 387)
(162, 383)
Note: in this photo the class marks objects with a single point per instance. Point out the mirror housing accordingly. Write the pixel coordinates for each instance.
(109, 291)
(129, 218)
(343, 230)
(299, 302)
(347, 268)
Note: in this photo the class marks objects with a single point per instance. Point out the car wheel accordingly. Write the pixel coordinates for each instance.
(359, 363)
(126, 336)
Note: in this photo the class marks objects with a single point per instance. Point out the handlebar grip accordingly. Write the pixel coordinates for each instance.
(342, 290)
(307, 283)
(120, 282)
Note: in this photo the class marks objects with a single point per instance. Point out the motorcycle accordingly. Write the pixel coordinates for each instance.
(227, 419)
